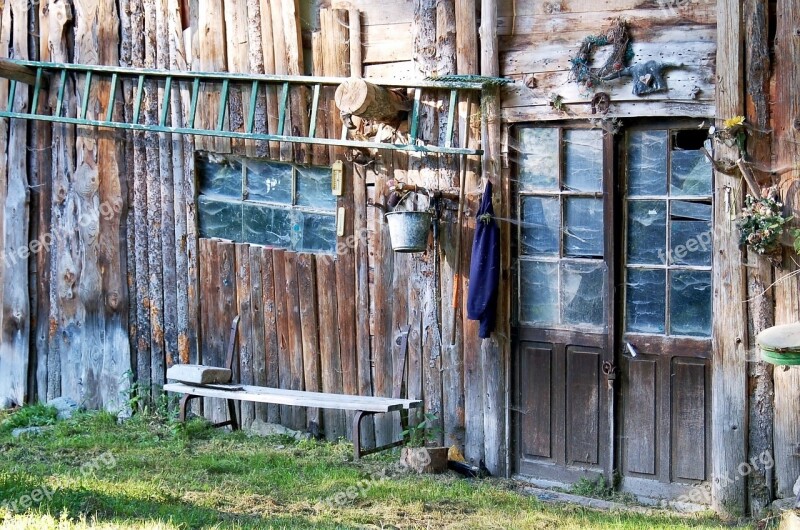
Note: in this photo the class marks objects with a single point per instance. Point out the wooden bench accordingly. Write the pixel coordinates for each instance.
(361, 405)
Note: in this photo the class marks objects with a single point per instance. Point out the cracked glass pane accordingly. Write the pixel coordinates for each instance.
(269, 181)
(538, 293)
(541, 225)
(691, 173)
(690, 303)
(690, 233)
(219, 176)
(267, 226)
(319, 233)
(583, 229)
(583, 293)
(219, 219)
(647, 230)
(538, 159)
(647, 163)
(583, 152)
(645, 303)
(314, 188)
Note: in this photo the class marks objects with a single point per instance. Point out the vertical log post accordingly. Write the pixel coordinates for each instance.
(759, 271)
(494, 349)
(728, 367)
(786, 154)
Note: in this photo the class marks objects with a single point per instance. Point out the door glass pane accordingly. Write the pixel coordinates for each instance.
(645, 302)
(541, 225)
(690, 303)
(314, 188)
(538, 159)
(647, 229)
(269, 181)
(583, 293)
(583, 151)
(691, 173)
(583, 230)
(219, 218)
(538, 292)
(690, 233)
(647, 163)
(219, 176)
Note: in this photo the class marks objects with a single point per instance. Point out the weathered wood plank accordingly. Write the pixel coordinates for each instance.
(729, 376)
(247, 324)
(282, 328)
(152, 175)
(255, 61)
(294, 334)
(357, 370)
(14, 346)
(330, 355)
(387, 43)
(237, 50)
(270, 95)
(631, 109)
(211, 57)
(379, 11)
(257, 337)
(309, 321)
(269, 305)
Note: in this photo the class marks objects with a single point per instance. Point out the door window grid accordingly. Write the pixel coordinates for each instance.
(562, 272)
(668, 236)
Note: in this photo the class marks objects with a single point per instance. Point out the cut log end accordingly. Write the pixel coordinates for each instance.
(356, 97)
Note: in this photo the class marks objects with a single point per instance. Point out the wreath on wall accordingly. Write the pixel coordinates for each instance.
(618, 37)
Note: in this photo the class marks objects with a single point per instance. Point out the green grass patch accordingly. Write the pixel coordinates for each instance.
(29, 416)
(150, 473)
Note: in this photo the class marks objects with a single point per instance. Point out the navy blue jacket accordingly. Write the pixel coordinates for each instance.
(484, 268)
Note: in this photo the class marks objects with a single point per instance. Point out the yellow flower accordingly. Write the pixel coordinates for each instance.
(730, 123)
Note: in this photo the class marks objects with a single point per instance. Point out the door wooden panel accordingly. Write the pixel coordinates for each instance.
(583, 405)
(639, 416)
(688, 419)
(535, 405)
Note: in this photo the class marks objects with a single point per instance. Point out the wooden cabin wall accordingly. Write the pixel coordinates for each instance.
(537, 38)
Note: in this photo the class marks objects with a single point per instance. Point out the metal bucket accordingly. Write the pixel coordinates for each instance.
(409, 230)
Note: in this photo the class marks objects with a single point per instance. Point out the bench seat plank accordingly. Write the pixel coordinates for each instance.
(298, 398)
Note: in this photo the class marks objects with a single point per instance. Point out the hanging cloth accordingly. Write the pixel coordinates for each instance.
(484, 268)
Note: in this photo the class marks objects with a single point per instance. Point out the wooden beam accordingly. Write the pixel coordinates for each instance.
(728, 367)
(18, 72)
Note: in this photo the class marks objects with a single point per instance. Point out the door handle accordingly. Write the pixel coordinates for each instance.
(631, 349)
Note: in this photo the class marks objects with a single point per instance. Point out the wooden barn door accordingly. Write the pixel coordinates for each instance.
(613, 307)
(564, 278)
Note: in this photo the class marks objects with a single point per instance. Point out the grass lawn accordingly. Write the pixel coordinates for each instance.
(90, 472)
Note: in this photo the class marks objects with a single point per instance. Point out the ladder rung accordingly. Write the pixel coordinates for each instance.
(251, 116)
(451, 118)
(112, 93)
(137, 105)
(415, 116)
(223, 105)
(62, 84)
(37, 86)
(165, 102)
(282, 108)
(12, 89)
(86, 92)
(312, 126)
(193, 104)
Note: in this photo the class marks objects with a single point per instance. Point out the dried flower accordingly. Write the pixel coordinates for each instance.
(761, 224)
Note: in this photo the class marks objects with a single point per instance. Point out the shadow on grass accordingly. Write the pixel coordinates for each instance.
(118, 508)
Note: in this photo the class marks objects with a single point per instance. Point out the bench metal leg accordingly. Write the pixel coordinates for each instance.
(232, 421)
(358, 452)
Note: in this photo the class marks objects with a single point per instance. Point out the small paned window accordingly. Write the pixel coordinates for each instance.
(265, 202)
(668, 234)
(562, 269)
